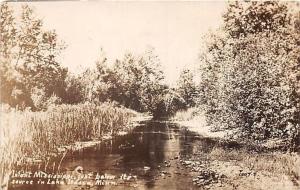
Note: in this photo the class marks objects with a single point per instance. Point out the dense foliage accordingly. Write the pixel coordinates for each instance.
(135, 81)
(32, 76)
(187, 89)
(29, 67)
(250, 72)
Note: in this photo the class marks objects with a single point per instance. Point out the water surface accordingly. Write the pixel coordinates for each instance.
(146, 158)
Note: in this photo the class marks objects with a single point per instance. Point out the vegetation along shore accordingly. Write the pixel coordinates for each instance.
(241, 98)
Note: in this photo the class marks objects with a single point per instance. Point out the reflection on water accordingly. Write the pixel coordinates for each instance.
(142, 154)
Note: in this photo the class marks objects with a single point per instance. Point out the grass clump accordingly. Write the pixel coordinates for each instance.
(40, 135)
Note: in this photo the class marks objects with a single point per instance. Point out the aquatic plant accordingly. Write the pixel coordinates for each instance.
(27, 136)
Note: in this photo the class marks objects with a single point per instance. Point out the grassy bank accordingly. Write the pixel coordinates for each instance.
(35, 136)
(273, 162)
(248, 170)
(246, 166)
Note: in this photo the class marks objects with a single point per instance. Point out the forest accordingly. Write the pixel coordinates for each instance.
(249, 70)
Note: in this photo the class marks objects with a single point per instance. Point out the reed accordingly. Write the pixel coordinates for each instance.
(27, 135)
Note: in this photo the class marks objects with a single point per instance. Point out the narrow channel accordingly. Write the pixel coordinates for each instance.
(146, 158)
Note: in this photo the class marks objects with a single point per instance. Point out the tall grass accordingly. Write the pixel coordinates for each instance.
(38, 135)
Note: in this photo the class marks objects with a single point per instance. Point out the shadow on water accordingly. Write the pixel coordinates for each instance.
(142, 154)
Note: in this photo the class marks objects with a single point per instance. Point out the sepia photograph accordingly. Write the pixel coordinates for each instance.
(151, 94)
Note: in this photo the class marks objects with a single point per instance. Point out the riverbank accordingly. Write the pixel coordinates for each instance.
(28, 137)
(228, 168)
(198, 125)
(237, 166)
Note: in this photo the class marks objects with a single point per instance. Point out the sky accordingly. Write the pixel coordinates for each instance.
(173, 28)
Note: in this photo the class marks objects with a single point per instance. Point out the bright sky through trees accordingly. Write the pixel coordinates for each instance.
(174, 29)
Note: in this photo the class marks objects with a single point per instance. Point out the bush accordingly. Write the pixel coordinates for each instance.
(249, 70)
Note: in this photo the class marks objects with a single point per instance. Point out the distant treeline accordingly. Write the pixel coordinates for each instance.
(32, 76)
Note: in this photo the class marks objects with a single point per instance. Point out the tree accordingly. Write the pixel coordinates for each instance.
(152, 86)
(98, 81)
(140, 85)
(10, 85)
(249, 72)
(214, 58)
(135, 81)
(31, 52)
(186, 88)
(244, 18)
(38, 51)
(74, 91)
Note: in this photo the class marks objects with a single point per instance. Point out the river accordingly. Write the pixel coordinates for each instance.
(146, 158)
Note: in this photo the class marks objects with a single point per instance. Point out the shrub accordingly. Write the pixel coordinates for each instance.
(250, 72)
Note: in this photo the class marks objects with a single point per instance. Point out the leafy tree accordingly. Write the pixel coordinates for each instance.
(250, 71)
(186, 88)
(152, 87)
(135, 81)
(244, 18)
(214, 57)
(97, 82)
(172, 101)
(74, 91)
(10, 85)
(31, 53)
(37, 55)
(140, 77)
